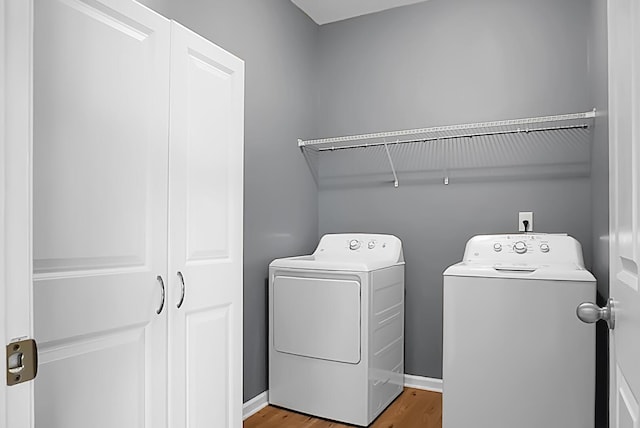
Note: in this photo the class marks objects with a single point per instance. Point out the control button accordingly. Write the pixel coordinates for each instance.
(371, 245)
(354, 244)
(544, 248)
(497, 247)
(520, 247)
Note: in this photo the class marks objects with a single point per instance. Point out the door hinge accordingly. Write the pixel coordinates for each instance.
(22, 361)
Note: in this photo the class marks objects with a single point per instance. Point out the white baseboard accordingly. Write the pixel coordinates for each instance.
(420, 382)
(254, 405)
(261, 401)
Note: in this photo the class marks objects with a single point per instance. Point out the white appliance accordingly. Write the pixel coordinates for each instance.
(336, 330)
(515, 353)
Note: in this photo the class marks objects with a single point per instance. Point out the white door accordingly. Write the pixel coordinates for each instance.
(205, 234)
(100, 162)
(624, 140)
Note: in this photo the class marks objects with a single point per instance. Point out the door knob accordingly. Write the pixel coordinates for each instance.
(590, 312)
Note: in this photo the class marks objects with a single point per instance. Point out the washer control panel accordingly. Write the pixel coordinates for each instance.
(521, 244)
(524, 248)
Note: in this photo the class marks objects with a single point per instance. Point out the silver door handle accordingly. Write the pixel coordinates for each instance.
(590, 312)
(159, 278)
(182, 284)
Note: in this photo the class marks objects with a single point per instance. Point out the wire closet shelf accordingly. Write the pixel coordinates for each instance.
(495, 131)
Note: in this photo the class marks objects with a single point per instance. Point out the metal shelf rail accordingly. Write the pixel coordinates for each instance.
(482, 131)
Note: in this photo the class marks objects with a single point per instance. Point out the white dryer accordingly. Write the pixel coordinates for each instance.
(336, 330)
(515, 354)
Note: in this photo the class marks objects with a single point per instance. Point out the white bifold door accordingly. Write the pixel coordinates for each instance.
(100, 167)
(205, 239)
(137, 220)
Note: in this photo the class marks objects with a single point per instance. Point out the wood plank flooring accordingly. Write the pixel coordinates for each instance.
(414, 408)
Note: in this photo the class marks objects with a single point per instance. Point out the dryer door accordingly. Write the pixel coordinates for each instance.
(317, 317)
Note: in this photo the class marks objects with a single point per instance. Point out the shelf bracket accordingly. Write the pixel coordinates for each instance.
(393, 169)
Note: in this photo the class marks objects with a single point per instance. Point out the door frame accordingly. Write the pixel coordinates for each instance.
(16, 83)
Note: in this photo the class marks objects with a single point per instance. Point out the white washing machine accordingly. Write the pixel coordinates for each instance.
(336, 330)
(515, 353)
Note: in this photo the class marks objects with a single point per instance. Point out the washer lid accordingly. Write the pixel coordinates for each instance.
(357, 252)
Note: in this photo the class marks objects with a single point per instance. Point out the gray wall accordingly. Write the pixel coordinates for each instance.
(445, 62)
(277, 42)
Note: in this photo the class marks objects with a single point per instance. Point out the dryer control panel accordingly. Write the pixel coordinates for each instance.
(524, 248)
(360, 246)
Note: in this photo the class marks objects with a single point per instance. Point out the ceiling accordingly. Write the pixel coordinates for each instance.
(326, 11)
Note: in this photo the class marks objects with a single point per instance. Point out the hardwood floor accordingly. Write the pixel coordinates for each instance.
(414, 408)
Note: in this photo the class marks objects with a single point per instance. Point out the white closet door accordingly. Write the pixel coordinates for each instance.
(205, 234)
(624, 211)
(99, 223)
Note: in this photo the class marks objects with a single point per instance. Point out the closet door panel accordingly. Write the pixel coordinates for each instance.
(101, 87)
(207, 154)
(205, 239)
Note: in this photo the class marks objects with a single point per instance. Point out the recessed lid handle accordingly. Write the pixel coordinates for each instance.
(516, 268)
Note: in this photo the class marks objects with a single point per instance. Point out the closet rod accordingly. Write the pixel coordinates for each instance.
(452, 137)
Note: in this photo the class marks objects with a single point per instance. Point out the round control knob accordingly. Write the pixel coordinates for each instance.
(544, 248)
(520, 247)
(371, 245)
(497, 247)
(354, 244)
